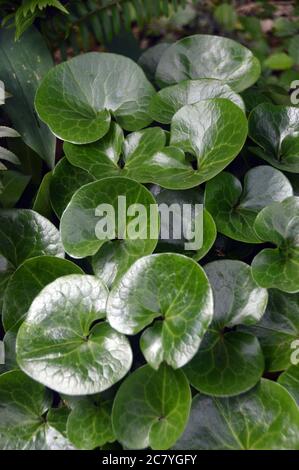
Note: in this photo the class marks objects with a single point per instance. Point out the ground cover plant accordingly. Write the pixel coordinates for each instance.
(140, 343)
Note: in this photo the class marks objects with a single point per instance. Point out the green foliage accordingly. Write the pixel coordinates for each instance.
(133, 323)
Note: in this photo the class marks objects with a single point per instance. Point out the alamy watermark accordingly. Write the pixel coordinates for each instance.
(295, 354)
(294, 95)
(140, 222)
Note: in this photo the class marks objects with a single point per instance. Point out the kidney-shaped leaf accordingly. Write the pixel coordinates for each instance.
(27, 282)
(26, 234)
(60, 346)
(89, 424)
(265, 418)
(235, 208)
(151, 408)
(276, 130)
(171, 289)
(77, 98)
(114, 203)
(205, 56)
(278, 330)
(230, 362)
(23, 419)
(214, 131)
(278, 267)
(168, 101)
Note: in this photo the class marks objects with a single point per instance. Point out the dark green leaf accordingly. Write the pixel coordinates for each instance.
(150, 58)
(25, 234)
(27, 282)
(265, 418)
(42, 203)
(278, 267)
(229, 362)
(151, 408)
(14, 184)
(290, 380)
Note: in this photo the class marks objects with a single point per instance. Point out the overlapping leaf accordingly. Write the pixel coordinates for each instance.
(278, 267)
(235, 208)
(61, 343)
(265, 418)
(230, 362)
(151, 408)
(172, 291)
(78, 98)
(205, 56)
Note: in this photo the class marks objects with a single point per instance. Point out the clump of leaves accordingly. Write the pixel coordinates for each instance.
(123, 328)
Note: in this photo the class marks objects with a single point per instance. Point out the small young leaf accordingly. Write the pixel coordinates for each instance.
(151, 408)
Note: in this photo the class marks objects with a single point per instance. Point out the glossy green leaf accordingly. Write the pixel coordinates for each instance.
(290, 380)
(230, 362)
(78, 98)
(171, 289)
(214, 131)
(58, 345)
(57, 417)
(65, 181)
(278, 330)
(115, 251)
(265, 418)
(89, 424)
(23, 64)
(235, 208)
(168, 101)
(151, 408)
(42, 203)
(278, 267)
(27, 282)
(275, 129)
(25, 234)
(176, 200)
(23, 416)
(205, 56)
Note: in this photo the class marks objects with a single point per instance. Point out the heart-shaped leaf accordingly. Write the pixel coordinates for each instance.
(25, 234)
(65, 181)
(77, 98)
(118, 250)
(235, 208)
(23, 425)
(172, 289)
(58, 345)
(205, 56)
(230, 362)
(27, 282)
(183, 204)
(278, 329)
(278, 267)
(168, 101)
(151, 408)
(89, 424)
(214, 131)
(290, 380)
(276, 131)
(265, 418)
